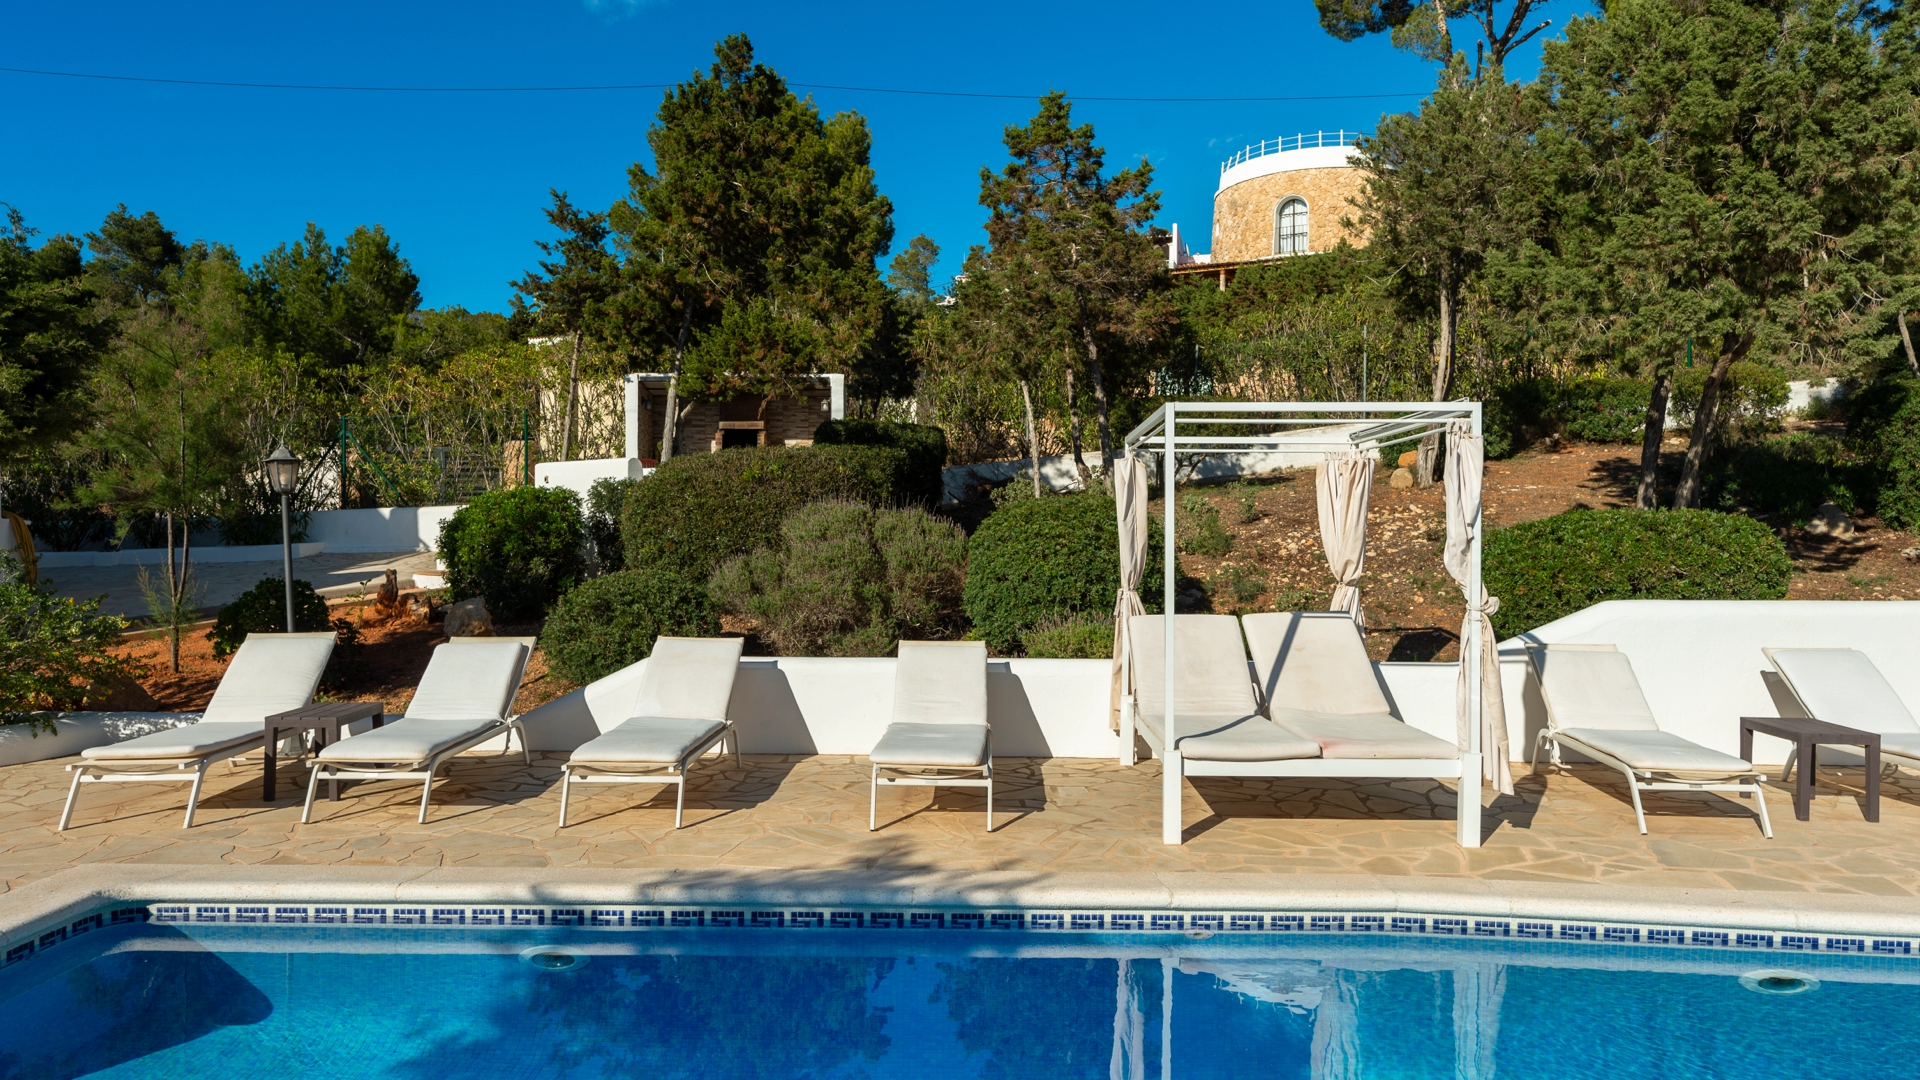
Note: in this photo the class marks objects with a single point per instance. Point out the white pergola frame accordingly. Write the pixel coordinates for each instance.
(1380, 424)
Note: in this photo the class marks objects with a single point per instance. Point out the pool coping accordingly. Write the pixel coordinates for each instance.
(76, 891)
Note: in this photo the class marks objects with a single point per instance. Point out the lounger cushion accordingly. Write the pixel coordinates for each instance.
(946, 745)
(411, 740)
(940, 682)
(188, 743)
(469, 682)
(648, 740)
(269, 673)
(1904, 745)
(1211, 676)
(1842, 686)
(1592, 689)
(1250, 737)
(1659, 751)
(1314, 661)
(1345, 735)
(690, 678)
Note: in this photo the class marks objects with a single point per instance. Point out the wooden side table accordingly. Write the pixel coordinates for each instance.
(1807, 735)
(324, 718)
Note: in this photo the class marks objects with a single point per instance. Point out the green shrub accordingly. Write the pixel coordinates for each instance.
(605, 501)
(848, 580)
(1884, 427)
(1072, 639)
(607, 623)
(1790, 475)
(1239, 584)
(1200, 530)
(924, 445)
(1606, 409)
(1548, 569)
(519, 548)
(53, 650)
(263, 610)
(1053, 558)
(1752, 399)
(696, 511)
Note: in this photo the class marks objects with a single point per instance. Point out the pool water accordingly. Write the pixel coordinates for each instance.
(162, 1002)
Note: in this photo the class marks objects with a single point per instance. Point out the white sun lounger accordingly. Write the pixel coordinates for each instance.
(1595, 706)
(464, 698)
(678, 715)
(1842, 686)
(270, 673)
(1311, 668)
(1218, 730)
(939, 736)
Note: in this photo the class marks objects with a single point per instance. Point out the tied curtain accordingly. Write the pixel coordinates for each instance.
(1465, 464)
(1341, 484)
(1130, 507)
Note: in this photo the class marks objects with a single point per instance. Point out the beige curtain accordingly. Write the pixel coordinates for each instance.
(1466, 461)
(1130, 506)
(1342, 484)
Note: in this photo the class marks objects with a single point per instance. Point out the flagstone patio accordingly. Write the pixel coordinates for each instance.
(1054, 814)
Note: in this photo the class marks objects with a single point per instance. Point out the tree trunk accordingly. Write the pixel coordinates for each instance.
(1906, 339)
(1033, 439)
(1687, 494)
(1073, 427)
(1443, 346)
(1098, 378)
(573, 393)
(173, 601)
(1648, 496)
(670, 425)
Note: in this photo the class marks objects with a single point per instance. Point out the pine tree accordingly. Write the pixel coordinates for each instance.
(569, 297)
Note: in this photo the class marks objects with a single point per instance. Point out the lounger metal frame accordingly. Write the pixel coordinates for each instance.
(151, 771)
(1196, 430)
(674, 773)
(1638, 780)
(933, 776)
(424, 769)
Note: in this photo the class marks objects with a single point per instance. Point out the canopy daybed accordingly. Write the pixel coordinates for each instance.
(1349, 438)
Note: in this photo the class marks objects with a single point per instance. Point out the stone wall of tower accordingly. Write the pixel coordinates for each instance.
(1243, 215)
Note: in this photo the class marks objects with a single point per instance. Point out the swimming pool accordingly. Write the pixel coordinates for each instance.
(158, 1000)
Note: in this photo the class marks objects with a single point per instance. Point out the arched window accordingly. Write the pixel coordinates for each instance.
(1290, 227)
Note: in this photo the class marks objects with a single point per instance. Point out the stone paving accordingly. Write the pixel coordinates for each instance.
(331, 573)
(1573, 826)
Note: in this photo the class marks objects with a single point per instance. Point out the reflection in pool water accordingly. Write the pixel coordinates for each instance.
(158, 1003)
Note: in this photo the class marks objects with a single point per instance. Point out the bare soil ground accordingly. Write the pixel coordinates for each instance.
(1413, 609)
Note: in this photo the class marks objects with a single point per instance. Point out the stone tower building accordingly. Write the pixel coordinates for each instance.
(1277, 199)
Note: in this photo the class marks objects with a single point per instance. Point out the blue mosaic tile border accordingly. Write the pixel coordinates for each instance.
(689, 917)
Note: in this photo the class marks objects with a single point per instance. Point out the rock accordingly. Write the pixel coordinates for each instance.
(1830, 520)
(469, 618)
(1407, 461)
(1402, 477)
(386, 602)
(1910, 553)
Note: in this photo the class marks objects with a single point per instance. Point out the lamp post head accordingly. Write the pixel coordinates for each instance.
(282, 471)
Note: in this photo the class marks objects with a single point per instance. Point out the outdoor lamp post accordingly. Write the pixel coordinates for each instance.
(282, 470)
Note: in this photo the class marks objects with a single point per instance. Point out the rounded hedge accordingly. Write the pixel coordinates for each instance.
(924, 445)
(263, 610)
(1884, 427)
(698, 510)
(612, 621)
(1547, 569)
(1041, 561)
(519, 548)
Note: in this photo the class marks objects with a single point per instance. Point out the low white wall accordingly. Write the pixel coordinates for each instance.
(81, 731)
(155, 556)
(382, 528)
(582, 475)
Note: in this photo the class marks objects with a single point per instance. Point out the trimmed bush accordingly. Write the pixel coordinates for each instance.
(1055, 558)
(1072, 639)
(1790, 475)
(849, 580)
(924, 445)
(55, 652)
(605, 501)
(263, 610)
(612, 621)
(1548, 569)
(1884, 426)
(697, 511)
(519, 548)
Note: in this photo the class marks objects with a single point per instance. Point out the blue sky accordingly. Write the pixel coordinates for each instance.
(459, 180)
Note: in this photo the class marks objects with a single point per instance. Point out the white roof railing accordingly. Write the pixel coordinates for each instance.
(1303, 141)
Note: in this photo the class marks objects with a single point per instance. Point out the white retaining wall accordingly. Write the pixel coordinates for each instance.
(382, 529)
